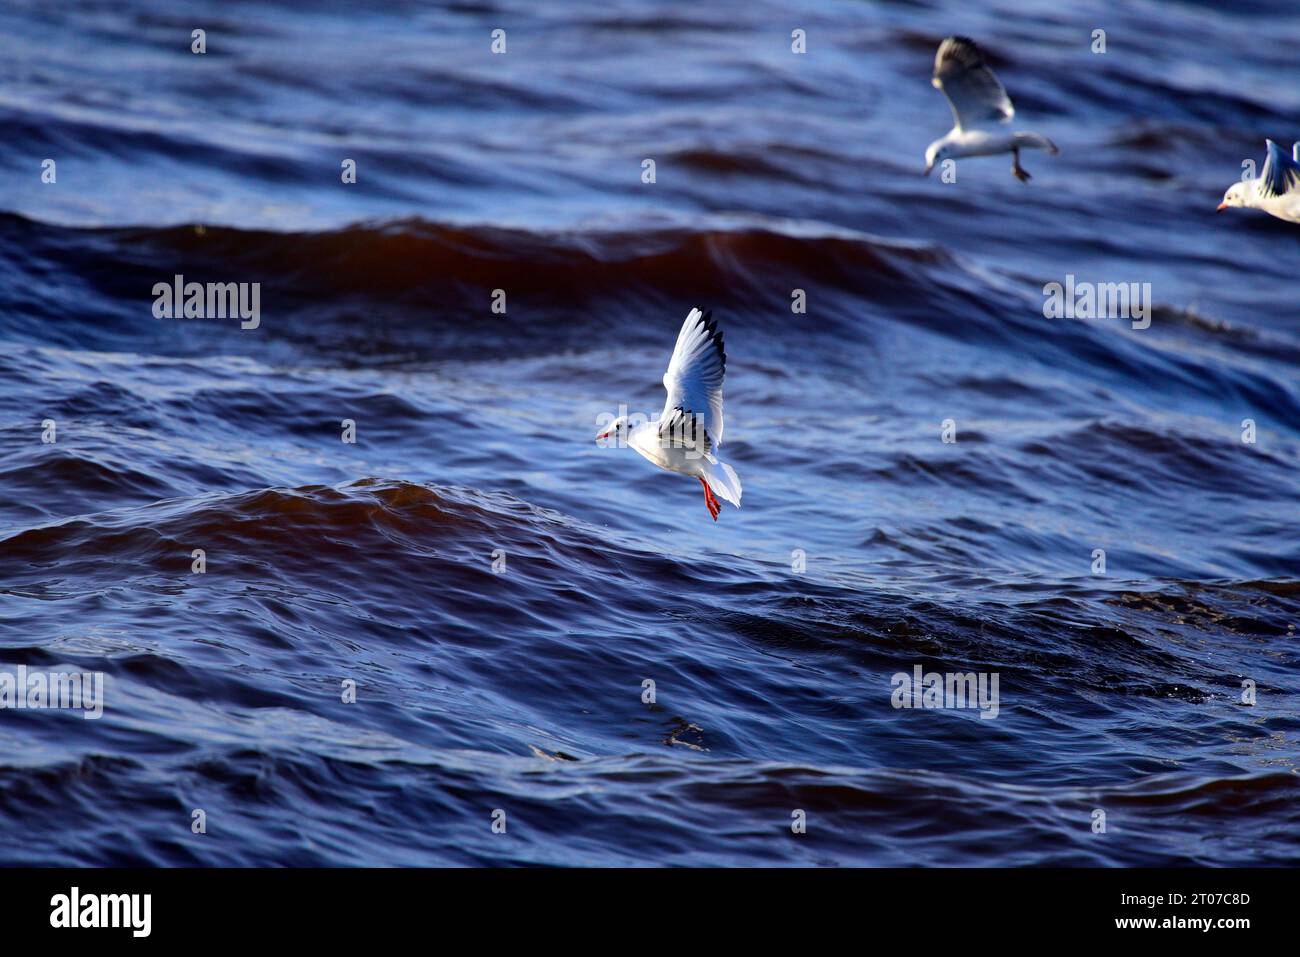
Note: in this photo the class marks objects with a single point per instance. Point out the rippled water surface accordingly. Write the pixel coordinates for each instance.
(523, 690)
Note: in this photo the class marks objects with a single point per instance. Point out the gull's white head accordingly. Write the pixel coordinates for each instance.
(1235, 196)
(936, 152)
(618, 430)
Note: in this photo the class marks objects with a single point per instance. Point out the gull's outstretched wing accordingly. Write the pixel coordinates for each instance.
(694, 381)
(974, 93)
(1281, 173)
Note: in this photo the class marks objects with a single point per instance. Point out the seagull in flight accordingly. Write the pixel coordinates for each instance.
(1276, 191)
(978, 100)
(689, 430)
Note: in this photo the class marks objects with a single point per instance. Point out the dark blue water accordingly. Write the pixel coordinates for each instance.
(521, 689)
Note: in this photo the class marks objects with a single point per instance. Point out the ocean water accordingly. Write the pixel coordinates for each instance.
(497, 588)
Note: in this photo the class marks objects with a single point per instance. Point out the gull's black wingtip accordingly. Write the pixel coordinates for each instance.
(711, 327)
(963, 50)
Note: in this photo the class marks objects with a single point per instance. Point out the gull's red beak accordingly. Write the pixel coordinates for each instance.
(603, 435)
(1220, 207)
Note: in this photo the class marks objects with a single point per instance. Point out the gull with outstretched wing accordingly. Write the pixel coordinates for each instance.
(980, 106)
(686, 436)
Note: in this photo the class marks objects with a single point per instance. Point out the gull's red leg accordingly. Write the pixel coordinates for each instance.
(709, 501)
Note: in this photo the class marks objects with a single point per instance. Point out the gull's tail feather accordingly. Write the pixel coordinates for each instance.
(724, 481)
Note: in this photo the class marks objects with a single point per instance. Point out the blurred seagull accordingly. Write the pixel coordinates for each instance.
(690, 427)
(977, 98)
(1276, 191)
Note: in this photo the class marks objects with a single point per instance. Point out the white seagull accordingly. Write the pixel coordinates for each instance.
(977, 98)
(689, 429)
(1277, 189)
